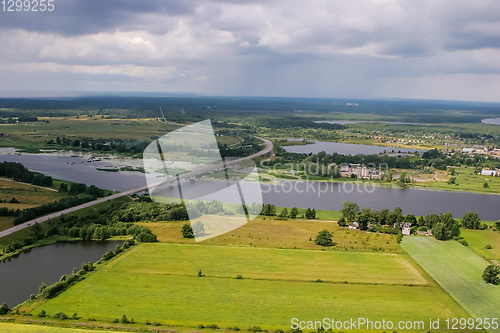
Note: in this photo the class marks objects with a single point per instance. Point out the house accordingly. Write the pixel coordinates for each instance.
(468, 150)
(425, 233)
(492, 173)
(354, 225)
(359, 171)
(406, 228)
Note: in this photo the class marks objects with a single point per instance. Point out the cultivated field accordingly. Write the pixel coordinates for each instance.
(458, 270)
(159, 282)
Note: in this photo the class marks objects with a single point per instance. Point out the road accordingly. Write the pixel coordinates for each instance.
(269, 147)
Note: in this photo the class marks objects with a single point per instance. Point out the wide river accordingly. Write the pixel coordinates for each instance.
(294, 193)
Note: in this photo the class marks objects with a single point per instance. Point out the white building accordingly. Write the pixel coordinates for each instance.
(492, 173)
(406, 228)
(354, 225)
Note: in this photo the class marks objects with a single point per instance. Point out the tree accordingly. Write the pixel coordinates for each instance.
(350, 211)
(310, 213)
(294, 212)
(324, 238)
(490, 274)
(198, 229)
(486, 185)
(439, 231)
(63, 188)
(342, 222)
(363, 219)
(4, 309)
(471, 220)
(411, 219)
(187, 231)
(283, 214)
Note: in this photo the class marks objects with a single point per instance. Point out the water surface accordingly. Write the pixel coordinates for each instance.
(21, 275)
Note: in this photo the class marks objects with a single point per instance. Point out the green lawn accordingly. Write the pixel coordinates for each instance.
(159, 282)
(478, 239)
(458, 270)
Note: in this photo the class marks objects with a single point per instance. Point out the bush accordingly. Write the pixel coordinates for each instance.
(200, 326)
(213, 326)
(42, 314)
(239, 277)
(490, 274)
(60, 315)
(115, 321)
(463, 242)
(488, 247)
(155, 323)
(254, 329)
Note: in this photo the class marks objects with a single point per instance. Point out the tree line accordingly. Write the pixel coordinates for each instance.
(20, 173)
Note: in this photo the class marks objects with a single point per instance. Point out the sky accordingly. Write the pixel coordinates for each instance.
(426, 49)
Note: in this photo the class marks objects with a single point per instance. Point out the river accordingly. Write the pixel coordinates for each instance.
(292, 193)
(21, 275)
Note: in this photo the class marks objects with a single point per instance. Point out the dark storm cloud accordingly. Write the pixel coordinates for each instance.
(80, 17)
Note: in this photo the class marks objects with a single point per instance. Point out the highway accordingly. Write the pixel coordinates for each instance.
(206, 168)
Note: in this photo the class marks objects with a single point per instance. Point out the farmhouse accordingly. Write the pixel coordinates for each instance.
(406, 228)
(354, 225)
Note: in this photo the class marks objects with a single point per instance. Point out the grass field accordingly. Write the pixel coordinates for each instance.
(478, 239)
(287, 234)
(32, 136)
(147, 283)
(458, 270)
(26, 195)
(466, 180)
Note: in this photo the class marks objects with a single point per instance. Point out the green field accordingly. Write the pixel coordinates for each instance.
(159, 282)
(478, 239)
(458, 270)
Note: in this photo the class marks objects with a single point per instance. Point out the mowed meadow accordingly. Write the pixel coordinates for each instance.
(160, 282)
(459, 271)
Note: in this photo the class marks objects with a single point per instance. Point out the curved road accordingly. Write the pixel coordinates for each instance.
(269, 147)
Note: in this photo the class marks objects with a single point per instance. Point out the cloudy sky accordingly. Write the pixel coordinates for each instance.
(434, 49)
